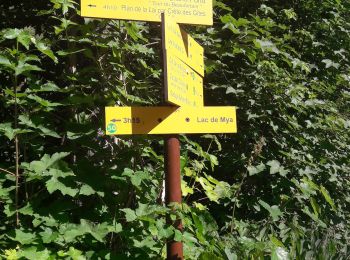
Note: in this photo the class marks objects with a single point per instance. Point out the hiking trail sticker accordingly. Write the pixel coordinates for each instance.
(111, 128)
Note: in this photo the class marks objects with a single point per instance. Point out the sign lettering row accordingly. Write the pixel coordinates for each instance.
(183, 86)
(183, 66)
(170, 120)
(182, 44)
(183, 11)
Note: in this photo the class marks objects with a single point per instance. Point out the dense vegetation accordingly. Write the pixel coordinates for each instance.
(279, 188)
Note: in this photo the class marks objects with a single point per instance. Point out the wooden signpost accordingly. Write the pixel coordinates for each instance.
(183, 86)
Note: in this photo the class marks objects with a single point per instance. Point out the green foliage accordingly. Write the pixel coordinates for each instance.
(279, 188)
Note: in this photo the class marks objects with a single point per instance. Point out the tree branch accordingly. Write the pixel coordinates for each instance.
(4, 170)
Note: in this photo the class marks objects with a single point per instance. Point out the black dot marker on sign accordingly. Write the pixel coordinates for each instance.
(160, 120)
(187, 119)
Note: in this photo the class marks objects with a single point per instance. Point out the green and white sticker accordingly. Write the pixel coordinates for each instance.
(112, 128)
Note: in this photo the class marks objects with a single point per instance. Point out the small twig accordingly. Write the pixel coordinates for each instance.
(3, 170)
(201, 199)
(151, 43)
(255, 153)
(112, 235)
(17, 150)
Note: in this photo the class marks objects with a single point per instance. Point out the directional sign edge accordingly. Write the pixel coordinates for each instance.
(170, 120)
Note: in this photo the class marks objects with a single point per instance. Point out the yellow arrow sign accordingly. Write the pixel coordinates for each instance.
(183, 11)
(170, 120)
(183, 86)
(182, 44)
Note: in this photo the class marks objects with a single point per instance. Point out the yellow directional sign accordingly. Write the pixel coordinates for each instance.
(183, 86)
(182, 44)
(183, 11)
(170, 120)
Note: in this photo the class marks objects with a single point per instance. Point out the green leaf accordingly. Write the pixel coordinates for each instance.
(65, 53)
(72, 253)
(32, 253)
(25, 38)
(10, 132)
(136, 178)
(48, 236)
(280, 253)
(25, 120)
(327, 197)
(23, 67)
(5, 61)
(315, 206)
(75, 254)
(209, 256)
(290, 13)
(97, 231)
(162, 232)
(7, 129)
(47, 87)
(11, 33)
(11, 254)
(26, 210)
(177, 235)
(274, 210)
(86, 190)
(45, 163)
(230, 255)
(54, 184)
(222, 6)
(255, 170)
(116, 228)
(24, 238)
(145, 243)
(276, 242)
(314, 217)
(275, 166)
(330, 63)
(50, 86)
(130, 215)
(71, 231)
(215, 190)
(57, 173)
(77, 135)
(46, 50)
(213, 161)
(186, 189)
(43, 102)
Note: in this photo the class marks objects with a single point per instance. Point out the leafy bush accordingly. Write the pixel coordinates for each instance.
(278, 188)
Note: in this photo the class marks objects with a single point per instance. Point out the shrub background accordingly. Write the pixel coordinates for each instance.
(279, 188)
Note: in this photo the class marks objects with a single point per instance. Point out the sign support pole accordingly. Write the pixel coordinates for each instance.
(173, 189)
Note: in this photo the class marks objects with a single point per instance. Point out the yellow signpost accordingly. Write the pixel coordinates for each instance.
(183, 71)
(183, 11)
(183, 86)
(170, 120)
(182, 45)
(183, 80)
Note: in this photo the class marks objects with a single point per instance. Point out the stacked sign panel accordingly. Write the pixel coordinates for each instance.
(183, 66)
(184, 11)
(183, 70)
